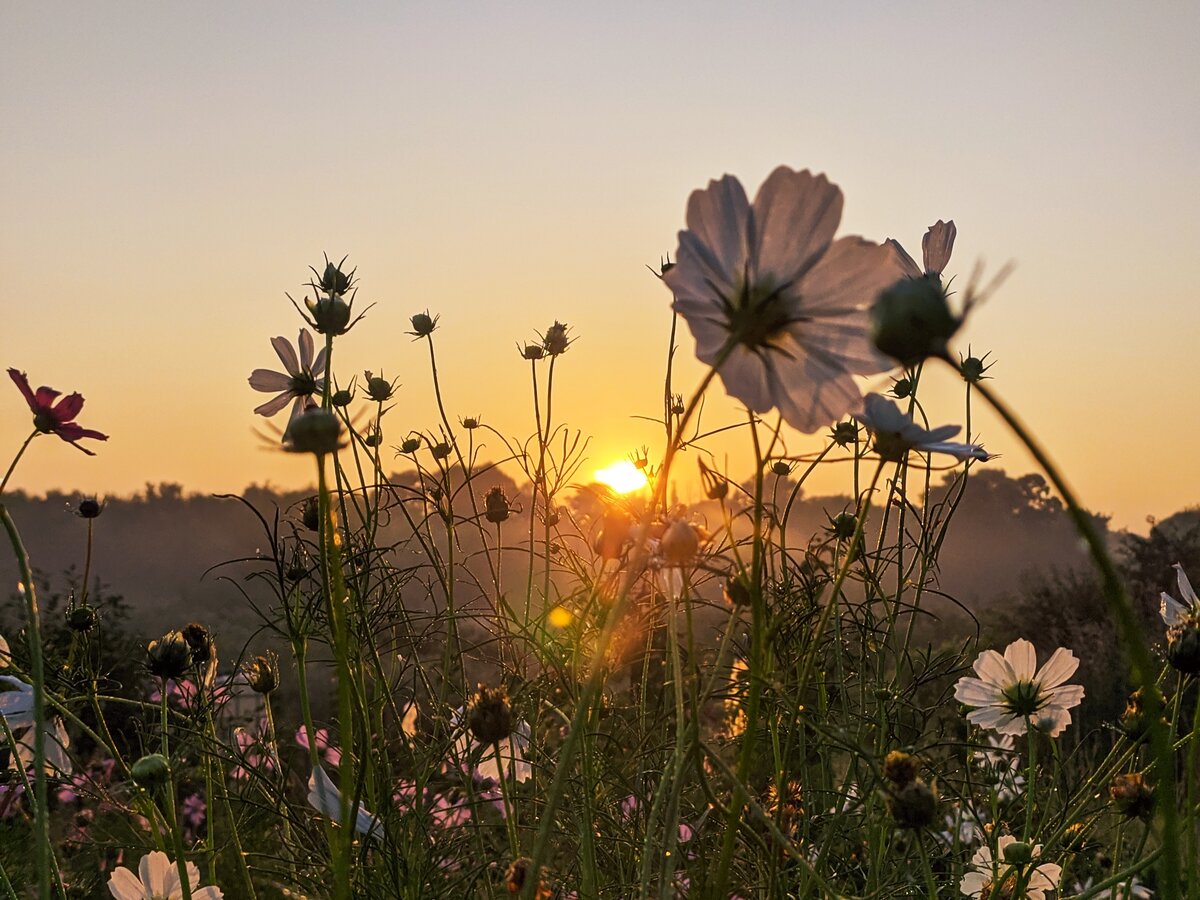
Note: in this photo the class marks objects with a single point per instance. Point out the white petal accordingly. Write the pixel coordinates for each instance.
(153, 870)
(972, 884)
(208, 893)
(994, 669)
(881, 414)
(124, 885)
(1058, 668)
(287, 356)
(850, 276)
(1186, 594)
(1067, 695)
(708, 324)
(934, 435)
(266, 380)
(274, 405)
(747, 378)
(1171, 610)
(815, 394)
(318, 365)
(996, 718)
(937, 244)
(1021, 655)
(718, 218)
(957, 450)
(974, 692)
(795, 217)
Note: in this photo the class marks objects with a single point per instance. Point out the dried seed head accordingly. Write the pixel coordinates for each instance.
(489, 715)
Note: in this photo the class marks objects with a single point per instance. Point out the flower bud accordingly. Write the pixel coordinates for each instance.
(379, 388)
(330, 314)
(532, 352)
(1132, 796)
(200, 642)
(614, 532)
(902, 388)
(1135, 721)
(677, 407)
(169, 656)
(912, 321)
(736, 591)
(315, 430)
(715, 485)
(374, 437)
(440, 450)
(781, 468)
(310, 514)
(913, 806)
(470, 423)
(1183, 646)
(332, 280)
(423, 324)
(341, 398)
(972, 368)
(901, 768)
(842, 526)
(555, 341)
(410, 445)
(496, 508)
(151, 771)
(82, 619)
(262, 673)
(680, 543)
(489, 716)
(89, 508)
(844, 433)
(1018, 853)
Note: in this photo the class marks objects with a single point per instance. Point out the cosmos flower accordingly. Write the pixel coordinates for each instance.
(1173, 610)
(988, 870)
(300, 381)
(16, 706)
(1011, 691)
(158, 879)
(55, 418)
(896, 433)
(512, 750)
(324, 797)
(774, 301)
(935, 250)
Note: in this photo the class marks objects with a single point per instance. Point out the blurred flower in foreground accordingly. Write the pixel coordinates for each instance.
(999, 877)
(16, 707)
(774, 301)
(325, 798)
(300, 381)
(512, 749)
(158, 879)
(896, 433)
(1011, 691)
(55, 418)
(1172, 610)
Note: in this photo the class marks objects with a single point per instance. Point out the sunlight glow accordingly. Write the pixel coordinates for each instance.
(622, 476)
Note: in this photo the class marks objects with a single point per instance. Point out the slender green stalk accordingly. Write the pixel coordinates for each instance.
(16, 459)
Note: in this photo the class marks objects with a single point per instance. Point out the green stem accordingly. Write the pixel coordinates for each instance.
(16, 459)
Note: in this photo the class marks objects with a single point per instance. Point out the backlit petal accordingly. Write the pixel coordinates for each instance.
(937, 245)
(287, 356)
(795, 217)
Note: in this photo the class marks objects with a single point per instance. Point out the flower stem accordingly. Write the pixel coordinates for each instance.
(16, 459)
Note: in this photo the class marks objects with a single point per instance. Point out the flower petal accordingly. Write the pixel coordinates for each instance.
(124, 885)
(305, 342)
(21, 380)
(153, 869)
(795, 217)
(1186, 594)
(974, 692)
(718, 218)
(1058, 668)
(1171, 610)
(746, 377)
(67, 408)
(274, 405)
(266, 380)
(287, 356)
(937, 244)
(906, 262)
(1022, 656)
(994, 669)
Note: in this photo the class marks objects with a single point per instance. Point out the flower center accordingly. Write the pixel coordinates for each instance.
(758, 313)
(44, 421)
(1024, 698)
(302, 385)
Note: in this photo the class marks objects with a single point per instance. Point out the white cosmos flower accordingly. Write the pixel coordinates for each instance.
(935, 250)
(300, 381)
(1174, 610)
(896, 433)
(16, 706)
(988, 871)
(158, 879)
(1011, 689)
(324, 797)
(773, 299)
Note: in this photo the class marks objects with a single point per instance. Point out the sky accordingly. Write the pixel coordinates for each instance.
(170, 170)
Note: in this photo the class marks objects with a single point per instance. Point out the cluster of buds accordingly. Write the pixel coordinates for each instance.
(912, 803)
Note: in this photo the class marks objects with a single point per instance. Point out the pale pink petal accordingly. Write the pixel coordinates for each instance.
(274, 405)
(124, 885)
(1058, 668)
(1171, 610)
(814, 393)
(795, 217)
(154, 868)
(906, 262)
(994, 668)
(746, 377)
(208, 893)
(287, 356)
(318, 365)
(708, 325)
(957, 450)
(995, 718)
(974, 692)
(1186, 594)
(305, 342)
(937, 244)
(266, 380)
(718, 218)
(1067, 695)
(1023, 659)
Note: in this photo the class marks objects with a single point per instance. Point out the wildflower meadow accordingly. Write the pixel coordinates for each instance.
(586, 691)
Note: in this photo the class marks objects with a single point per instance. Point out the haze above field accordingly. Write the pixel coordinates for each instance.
(169, 171)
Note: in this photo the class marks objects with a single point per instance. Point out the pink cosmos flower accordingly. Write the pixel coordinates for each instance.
(300, 381)
(331, 754)
(935, 250)
(55, 418)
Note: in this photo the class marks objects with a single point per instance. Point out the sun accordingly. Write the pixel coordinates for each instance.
(622, 476)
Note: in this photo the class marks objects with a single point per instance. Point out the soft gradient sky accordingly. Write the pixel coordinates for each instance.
(170, 169)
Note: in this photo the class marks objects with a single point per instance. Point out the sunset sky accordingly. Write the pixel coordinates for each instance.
(170, 170)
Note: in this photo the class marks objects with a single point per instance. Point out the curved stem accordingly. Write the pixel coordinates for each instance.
(16, 459)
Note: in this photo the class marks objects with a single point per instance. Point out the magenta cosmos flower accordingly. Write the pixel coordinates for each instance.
(55, 418)
(774, 302)
(298, 383)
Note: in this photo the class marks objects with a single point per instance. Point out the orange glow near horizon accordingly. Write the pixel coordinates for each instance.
(623, 477)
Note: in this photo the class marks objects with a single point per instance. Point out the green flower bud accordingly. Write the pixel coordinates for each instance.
(89, 508)
(315, 430)
(262, 673)
(151, 771)
(496, 506)
(1018, 853)
(555, 341)
(912, 321)
(423, 324)
(379, 388)
(330, 314)
(82, 619)
(169, 656)
(411, 445)
(781, 468)
(341, 398)
(310, 514)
